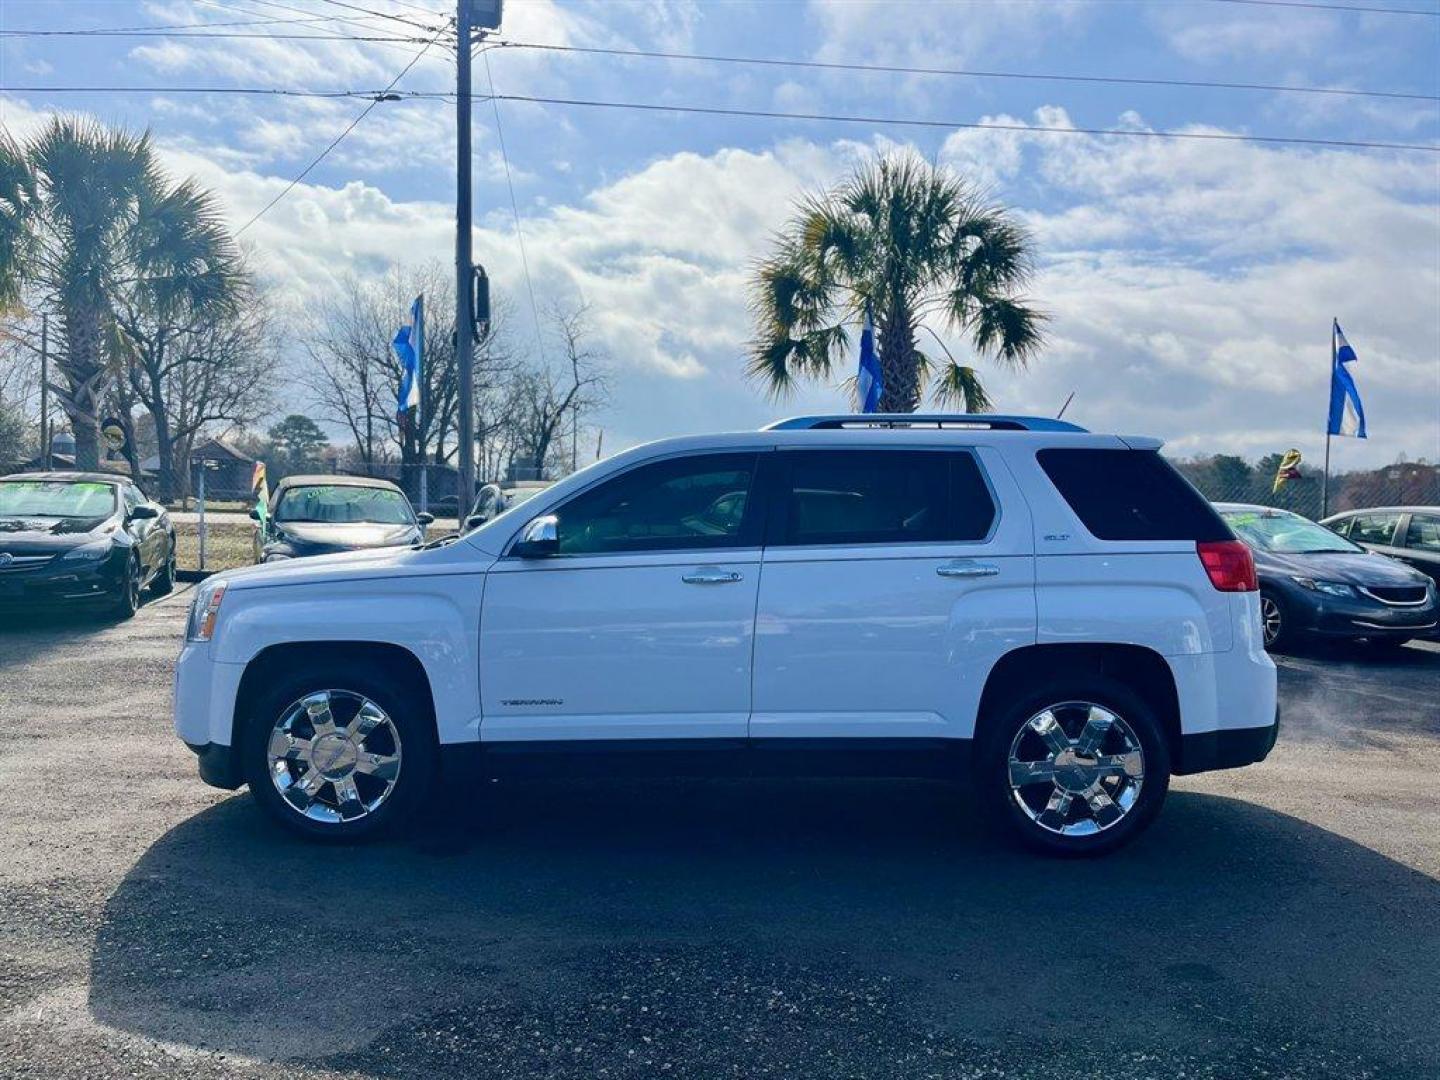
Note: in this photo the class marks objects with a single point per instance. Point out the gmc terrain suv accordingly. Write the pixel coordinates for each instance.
(1055, 615)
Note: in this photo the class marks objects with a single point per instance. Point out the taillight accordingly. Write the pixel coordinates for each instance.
(1229, 564)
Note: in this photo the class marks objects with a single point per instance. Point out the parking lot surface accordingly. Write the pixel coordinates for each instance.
(1278, 921)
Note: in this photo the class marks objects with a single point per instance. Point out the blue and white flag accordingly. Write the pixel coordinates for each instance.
(869, 383)
(1347, 415)
(409, 346)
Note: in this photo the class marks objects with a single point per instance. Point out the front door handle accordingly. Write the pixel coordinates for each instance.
(967, 570)
(710, 575)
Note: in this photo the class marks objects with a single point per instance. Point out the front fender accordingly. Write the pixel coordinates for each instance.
(436, 618)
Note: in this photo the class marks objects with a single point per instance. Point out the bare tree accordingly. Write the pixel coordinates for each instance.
(555, 395)
(357, 376)
(191, 368)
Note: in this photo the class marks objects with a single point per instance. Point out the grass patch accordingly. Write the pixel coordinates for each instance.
(227, 545)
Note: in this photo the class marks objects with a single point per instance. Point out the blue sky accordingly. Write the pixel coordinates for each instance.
(1190, 284)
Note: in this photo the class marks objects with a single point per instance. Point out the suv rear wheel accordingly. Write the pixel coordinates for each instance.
(338, 753)
(1078, 767)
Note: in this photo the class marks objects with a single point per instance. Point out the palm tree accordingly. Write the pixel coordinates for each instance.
(909, 242)
(86, 216)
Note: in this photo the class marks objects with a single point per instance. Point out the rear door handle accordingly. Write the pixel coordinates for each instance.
(967, 570)
(710, 575)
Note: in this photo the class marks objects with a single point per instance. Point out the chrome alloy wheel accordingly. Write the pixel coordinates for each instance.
(1076, 768)
(334, 756)
(1270, 620)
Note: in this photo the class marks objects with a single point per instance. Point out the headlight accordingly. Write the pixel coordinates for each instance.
(1330, 588)
(205, 610)
(89, 552)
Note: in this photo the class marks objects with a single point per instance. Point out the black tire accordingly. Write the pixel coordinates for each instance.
(1003, 806)
(393, 694)
(164, 583)
(126, 599)
(1276, 637)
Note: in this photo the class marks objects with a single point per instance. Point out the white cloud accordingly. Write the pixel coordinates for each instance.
(1190, 285)
(1196, 33)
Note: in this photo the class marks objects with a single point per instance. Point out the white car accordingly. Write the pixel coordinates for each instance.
(1053, 614)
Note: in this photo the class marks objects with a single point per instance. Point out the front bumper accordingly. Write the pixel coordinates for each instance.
(1358, 617)
(219, 765)
(69, 583)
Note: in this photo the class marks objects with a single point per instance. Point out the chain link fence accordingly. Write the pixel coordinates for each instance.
(227, 532)
(1230, 479)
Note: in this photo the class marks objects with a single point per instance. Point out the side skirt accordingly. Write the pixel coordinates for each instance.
(946, 759)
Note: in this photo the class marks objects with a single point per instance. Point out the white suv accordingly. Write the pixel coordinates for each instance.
(1054, 614)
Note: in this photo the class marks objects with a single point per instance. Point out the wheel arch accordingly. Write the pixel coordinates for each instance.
(371, 656)
(1142, 669)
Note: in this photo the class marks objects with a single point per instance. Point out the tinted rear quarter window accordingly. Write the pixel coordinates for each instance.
(1130, 495)
(884, 497)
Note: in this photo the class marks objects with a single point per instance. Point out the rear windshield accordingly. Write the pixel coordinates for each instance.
(1131, 495)
(1285, 533)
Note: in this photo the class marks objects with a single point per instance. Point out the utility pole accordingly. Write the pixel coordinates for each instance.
(470, 15)
(45, 390)
(464, 286)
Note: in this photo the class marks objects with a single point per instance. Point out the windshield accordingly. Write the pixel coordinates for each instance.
(343, 504)
(1284, 533)
(56, 499)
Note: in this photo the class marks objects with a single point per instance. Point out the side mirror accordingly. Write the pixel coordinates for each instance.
(144, 513)
(425, 518)
(540, 539)
(254, 514)
(474, 521)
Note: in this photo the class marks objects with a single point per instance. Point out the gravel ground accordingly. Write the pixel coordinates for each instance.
(1278, 921)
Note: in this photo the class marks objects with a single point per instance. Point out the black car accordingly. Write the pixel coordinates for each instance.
(321, 515)
(1408, 533)
(88, 539)
(1315, 582)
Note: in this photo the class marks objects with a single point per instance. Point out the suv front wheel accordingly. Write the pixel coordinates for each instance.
(1078, 767)
(338, 754)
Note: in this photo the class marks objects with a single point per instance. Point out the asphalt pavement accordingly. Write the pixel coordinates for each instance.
(1279, 921)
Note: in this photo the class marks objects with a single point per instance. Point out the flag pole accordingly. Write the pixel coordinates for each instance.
(1325, 476)
(424, 399)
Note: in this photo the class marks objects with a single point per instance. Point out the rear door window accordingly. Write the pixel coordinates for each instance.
(845, 497)
(1130, 495)
(1424, 532)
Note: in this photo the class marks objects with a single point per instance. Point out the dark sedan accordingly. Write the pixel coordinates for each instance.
(1315, 582)
(1408, 533)
(322, 515)
(89, 539)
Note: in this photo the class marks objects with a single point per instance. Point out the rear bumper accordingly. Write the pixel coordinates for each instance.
(1231, 748)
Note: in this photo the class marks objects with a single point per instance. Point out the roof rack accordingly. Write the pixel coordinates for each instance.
(970, 421)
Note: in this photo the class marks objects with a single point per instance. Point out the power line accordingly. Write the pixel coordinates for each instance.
(249, 90)
(1332, 7)
(1209, 136)
(899, 69)
(382, 96)
(514, 208)
(895, 121)
(383, 14)
(195, 34)
(363, 23)
(268, 20)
